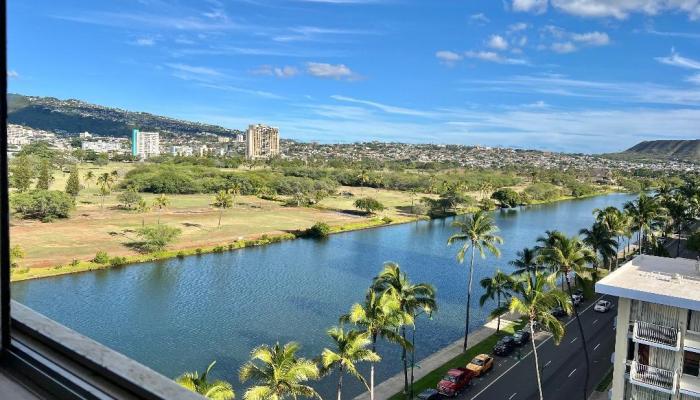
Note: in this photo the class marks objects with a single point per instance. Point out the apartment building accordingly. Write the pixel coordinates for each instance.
(657, 337)
(102, 146)
(145, 144)
(262, 141)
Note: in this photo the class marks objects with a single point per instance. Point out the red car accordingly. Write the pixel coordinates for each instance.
(454, 381)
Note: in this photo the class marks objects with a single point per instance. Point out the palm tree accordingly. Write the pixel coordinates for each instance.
(678, 208)
(142, 207)
(570, 256)
(216, 390)
(600, 239)
(351, 348)
(106, 181)
(235, 191)
(537, 295)
(413, 298)
(380, 316)
(478, 232)
(614, 220)
(222, 201)
(644, 212)
(277, 373)
(89, 176)
(363, 177)
(526, 262)
(500, 285)
(161, 202)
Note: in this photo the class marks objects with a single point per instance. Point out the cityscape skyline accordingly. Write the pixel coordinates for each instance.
(567, 76)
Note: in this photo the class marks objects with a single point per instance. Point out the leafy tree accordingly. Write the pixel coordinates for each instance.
(507, 198)
(16, 254)
(129, 198)
(277, 373)
(44, 205)
(537, 295)
(21, 173)
(570, 256)
(44, 176)
(369, 205)
(222, 201)
(500, 285)
(161, 202)
(157, 237)
(413, 299)
(318, 230)
(73, 183)
(350, 349)
(478, 232)
(215, 390)
(380, 316)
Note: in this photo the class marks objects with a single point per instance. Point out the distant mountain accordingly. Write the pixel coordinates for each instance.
(75, 116)
(688, 150)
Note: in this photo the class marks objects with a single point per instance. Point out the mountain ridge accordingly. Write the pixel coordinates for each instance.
(667, 149)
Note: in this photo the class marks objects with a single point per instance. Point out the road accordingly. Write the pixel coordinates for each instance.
(563, 366)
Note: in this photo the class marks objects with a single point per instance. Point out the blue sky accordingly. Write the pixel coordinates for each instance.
(565, 75)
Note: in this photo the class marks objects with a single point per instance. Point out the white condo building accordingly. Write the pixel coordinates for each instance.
(101, 146)
(145, 144)
(262, 141)
(657, 339)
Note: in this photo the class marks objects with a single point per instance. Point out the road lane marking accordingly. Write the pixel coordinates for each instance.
(594, 322)
(548, 362)
(528, 354)
(512, 395)
(596, 347)
(574, 339)
(571, 373)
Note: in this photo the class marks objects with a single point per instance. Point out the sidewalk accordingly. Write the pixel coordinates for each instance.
(394, 385)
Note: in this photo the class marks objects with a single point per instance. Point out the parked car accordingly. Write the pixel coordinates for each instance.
(559, 312)
(454, 382)
(504, 346)
(481, 364)
(521, 337)
(577, 299)
(428, 394)
(602, 306)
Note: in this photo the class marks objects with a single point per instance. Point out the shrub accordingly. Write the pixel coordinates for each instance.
(117, 261)
(218, 249)
(543, 191)
(318, 230)
(129, 198)
(101, 257)
(694, 241)
(75, 263)
(231, 246)
(369, 205)
(387, 220)
(44, 205)
(16, 254)
(156, 237)
(180, 254)
(198, 251)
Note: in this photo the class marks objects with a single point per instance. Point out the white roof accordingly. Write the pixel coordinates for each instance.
(670, 281)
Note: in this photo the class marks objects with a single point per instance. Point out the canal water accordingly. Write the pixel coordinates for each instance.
(180, 314)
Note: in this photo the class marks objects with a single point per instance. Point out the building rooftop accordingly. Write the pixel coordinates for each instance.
(669, 281)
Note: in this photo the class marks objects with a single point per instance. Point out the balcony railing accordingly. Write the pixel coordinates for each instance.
(690, 386)
(691, 342)
(653, 378)
(661, 336)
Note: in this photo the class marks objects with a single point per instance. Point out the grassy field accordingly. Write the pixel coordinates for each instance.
(92, 228)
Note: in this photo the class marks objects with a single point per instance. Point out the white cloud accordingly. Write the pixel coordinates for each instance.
(195, 69)
(448, 57)
(517, 27)
(386, 108)
(694, 79)
(497, 42)
(325, 70)
(535, 6)
(494, 57)
(619, 9)
(228, 88)
(677, 60)
(286, 71)
(592, 38)
(12, 74)
(145, 41)
(479, 18)
(563, 47)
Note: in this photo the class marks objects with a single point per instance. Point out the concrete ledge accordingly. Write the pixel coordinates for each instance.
(100, 367)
